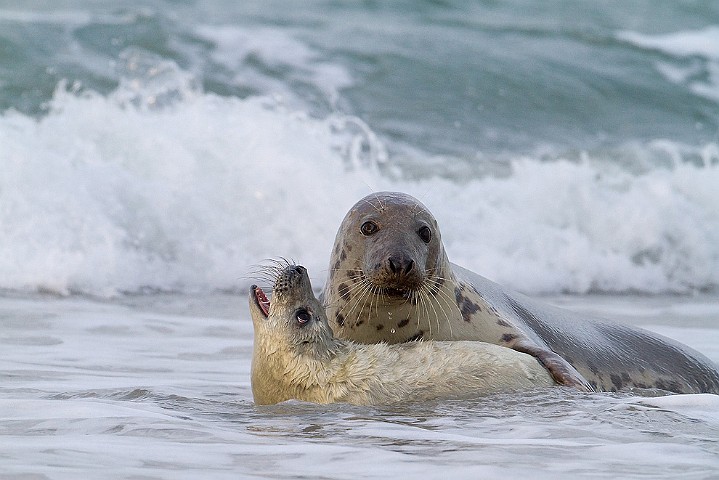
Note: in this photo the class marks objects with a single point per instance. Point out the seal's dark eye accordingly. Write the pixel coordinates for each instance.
(369, 228)
(425, 234)
(303, 316)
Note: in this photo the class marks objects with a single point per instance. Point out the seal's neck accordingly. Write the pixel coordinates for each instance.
(311, 372)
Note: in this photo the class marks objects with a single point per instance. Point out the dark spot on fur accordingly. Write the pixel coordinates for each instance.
(340, 319)
(343, 256)
(355, 275)
(380, 327)
(508, 337)
(348, 246)
(468, 308)
(616, 381)
(625, 376)
(344, 291)
(403, 323)
(502, 323)
(360, 322)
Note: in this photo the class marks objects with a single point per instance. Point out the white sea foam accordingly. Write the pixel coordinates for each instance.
(701, 78)
(704, 42)
(124, 192)
(63, 17)
(100, 197)
(702, 406)
(568, 226)
(234, 45)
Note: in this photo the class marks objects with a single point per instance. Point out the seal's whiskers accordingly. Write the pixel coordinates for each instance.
(364, 290)
(427, 301)
(448, 306)
(271, 271)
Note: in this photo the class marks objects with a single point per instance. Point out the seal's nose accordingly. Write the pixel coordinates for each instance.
(295, 273)
(400, 265)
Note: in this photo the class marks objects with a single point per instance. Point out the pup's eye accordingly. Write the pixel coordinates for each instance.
(369, 228)
(425, 234)
(303, 316)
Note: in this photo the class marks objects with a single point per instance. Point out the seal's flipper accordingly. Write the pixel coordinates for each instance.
(562, 372)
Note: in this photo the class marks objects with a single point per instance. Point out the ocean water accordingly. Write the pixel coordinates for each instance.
(152, 154)
(159, 387)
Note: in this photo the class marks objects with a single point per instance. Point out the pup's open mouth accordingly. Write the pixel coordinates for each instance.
(260, 300)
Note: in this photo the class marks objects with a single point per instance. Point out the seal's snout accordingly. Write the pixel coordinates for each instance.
(398, 272)
(294, 274)
(290, 278)
(400, 265)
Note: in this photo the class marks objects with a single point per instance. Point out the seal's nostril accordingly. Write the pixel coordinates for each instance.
(409, 266)
(300, 269)
(394, 265)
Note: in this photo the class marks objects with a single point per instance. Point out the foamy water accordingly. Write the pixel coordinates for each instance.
(702, 46)
(102, 196)
(159, 387)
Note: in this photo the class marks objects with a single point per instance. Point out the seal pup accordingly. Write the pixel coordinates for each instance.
(390, 281)
(296, 356)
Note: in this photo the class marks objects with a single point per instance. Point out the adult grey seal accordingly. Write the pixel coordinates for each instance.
(390, 281)
(296, 356)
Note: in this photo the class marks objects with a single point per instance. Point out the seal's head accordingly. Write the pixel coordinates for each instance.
(292, 337)
(396, 244)
(294, 321)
